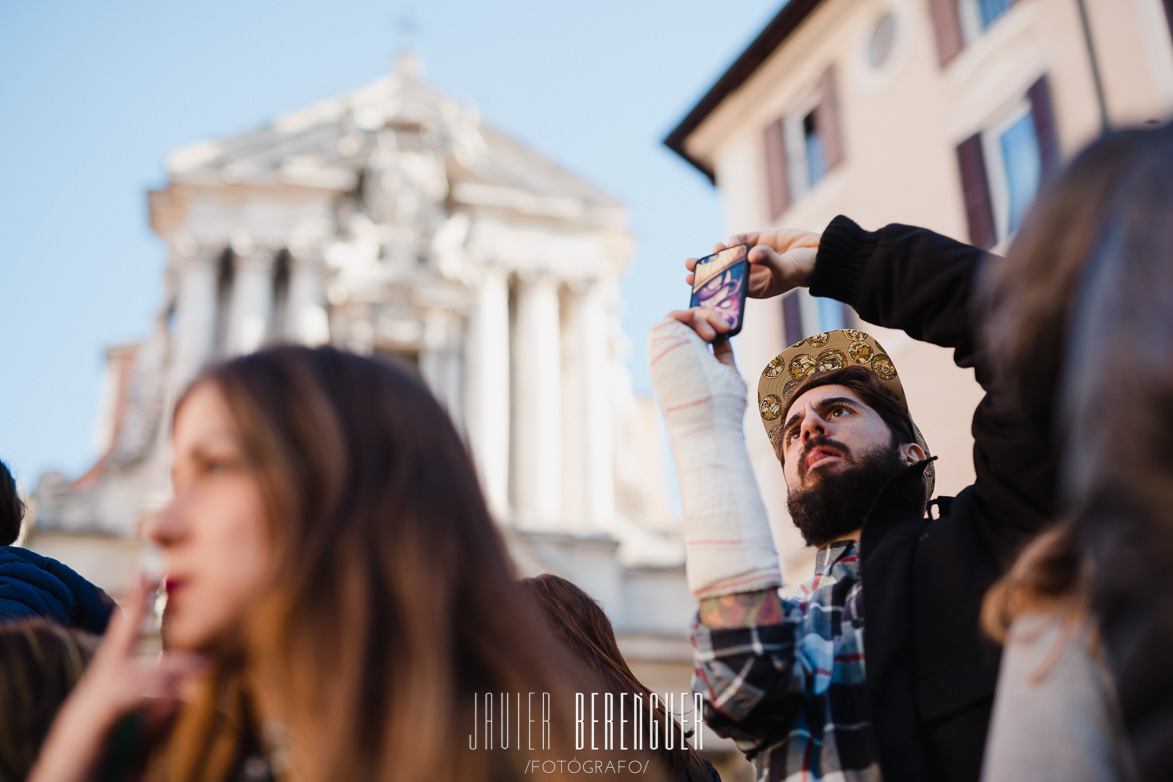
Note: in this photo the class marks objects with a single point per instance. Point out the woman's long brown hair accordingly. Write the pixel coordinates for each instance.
(582, 626)
(1090, 391)
(393, 603)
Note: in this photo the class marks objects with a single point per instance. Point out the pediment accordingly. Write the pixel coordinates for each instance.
(330, 145)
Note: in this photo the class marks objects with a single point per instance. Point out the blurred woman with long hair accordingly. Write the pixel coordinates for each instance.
(1081, 319)
(330, 557)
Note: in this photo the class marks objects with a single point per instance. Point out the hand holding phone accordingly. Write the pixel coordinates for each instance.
(719, 284)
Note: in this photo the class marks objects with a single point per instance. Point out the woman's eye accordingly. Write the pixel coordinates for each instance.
(219, 466)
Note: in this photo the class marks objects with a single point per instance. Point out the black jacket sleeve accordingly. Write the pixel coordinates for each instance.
(923, 283)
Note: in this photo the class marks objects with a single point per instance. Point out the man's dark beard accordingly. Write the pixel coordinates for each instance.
(834, 506)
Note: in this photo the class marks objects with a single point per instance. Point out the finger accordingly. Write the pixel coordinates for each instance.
(695, 319)
(717, 321)
(123, 631)
(763, 254)
(748, 238)
(723, 352)
(690, 264)
(688, 278)
(183, 664)
(715, 318)
(718, 247)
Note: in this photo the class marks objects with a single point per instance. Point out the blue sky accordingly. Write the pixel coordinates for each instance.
(95, 95)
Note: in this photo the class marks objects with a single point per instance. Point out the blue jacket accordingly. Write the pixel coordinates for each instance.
(32, 586)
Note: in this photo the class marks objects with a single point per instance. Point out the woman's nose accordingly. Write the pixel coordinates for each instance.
(165, 527)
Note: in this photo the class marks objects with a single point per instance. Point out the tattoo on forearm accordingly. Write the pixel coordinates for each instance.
(743, 609)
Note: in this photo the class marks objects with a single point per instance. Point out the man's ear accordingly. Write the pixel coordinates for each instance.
(912, 453)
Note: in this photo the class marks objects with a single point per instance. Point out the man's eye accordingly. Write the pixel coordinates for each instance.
(790, 435)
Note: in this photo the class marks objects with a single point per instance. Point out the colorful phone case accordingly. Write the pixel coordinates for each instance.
(719, 284)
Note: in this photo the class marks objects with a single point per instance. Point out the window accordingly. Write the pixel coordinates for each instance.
(804, 315)
(802, 146)
(881, 40)
(1015, 152)
(976, 15)
(813, 146)
(960, 22)
(1003, 165)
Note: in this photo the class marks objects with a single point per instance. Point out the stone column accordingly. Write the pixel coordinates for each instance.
(537, 479)
(590, 329)
(440, 362)
(252, 298)
(306, 320)
(575, 487)
(192, 339)
(487, 390)
(195, 309)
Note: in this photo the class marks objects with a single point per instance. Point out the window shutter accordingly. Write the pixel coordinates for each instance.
(827, 120)
(1041, 112)
(791, 319)
(976, 190)
(947, 26)
(1169, 15)
(775, 143)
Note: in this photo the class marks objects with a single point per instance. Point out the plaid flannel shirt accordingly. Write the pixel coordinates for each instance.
(792, 695)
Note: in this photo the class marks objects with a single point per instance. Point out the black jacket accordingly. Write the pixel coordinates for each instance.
(930, 672)
(36, 586)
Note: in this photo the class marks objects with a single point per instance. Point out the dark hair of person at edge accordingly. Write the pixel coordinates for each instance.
(1031, 295)
(40, 662)
(1080, 324)
(582, 626)
(11, 507)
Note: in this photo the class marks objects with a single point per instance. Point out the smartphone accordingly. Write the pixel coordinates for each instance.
(719, 283)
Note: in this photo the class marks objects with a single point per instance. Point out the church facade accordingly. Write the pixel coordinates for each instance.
(396, 223)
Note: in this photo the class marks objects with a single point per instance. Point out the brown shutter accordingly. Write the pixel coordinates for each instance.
(976, 189)
(1041, 112)
(775, 143)
(791, 319)
(827, 120)
(947, 26)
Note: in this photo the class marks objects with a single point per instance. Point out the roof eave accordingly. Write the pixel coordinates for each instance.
(769, 39)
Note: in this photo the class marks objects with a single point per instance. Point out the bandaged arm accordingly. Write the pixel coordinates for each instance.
(729, 549)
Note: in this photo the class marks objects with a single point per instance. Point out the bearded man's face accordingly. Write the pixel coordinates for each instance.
(838, 452)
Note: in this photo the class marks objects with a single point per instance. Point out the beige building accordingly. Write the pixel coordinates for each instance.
(940, 113)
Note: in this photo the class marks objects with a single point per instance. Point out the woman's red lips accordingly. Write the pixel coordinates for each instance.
(174, 584)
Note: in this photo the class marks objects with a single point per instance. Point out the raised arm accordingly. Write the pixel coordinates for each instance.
(913, 279)
(746, 663)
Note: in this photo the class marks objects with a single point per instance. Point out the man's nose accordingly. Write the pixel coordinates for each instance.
(813, 426)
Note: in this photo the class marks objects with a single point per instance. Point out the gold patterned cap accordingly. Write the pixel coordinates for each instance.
(825, 352)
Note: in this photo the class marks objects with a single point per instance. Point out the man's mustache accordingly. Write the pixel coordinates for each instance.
(821, 441)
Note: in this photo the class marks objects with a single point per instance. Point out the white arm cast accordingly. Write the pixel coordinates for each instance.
(726, 531)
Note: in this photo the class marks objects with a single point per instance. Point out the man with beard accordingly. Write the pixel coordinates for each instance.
(876, 667)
